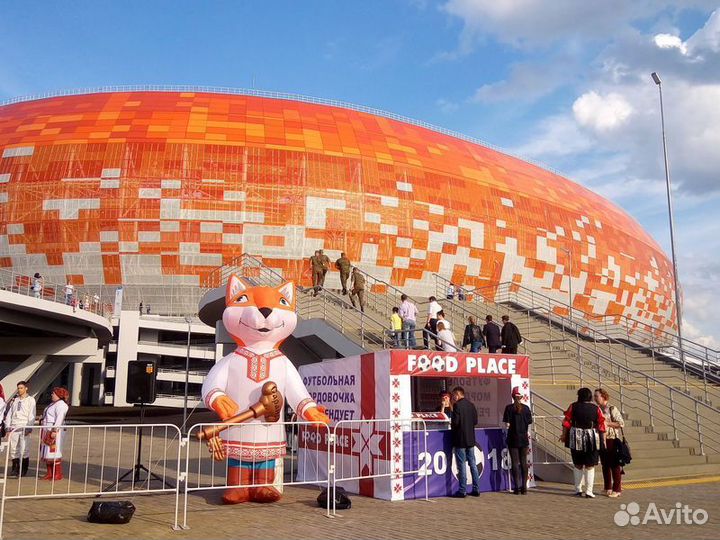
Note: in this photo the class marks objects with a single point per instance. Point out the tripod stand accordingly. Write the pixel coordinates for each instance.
(139, 468)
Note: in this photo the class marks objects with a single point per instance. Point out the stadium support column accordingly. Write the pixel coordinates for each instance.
(77, 383)
(128, 336)
(23, 371)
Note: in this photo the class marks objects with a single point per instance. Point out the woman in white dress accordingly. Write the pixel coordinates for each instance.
(52, 434)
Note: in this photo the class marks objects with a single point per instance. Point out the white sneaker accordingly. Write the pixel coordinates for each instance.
(589, 495)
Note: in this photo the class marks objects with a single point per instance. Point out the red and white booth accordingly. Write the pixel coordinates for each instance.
(369, 397)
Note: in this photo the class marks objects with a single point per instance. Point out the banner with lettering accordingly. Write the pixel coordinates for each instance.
(335, 386)
(437, 468)
(458, 364)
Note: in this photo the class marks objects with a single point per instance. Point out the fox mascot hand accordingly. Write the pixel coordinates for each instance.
(225, 407)
(317, 414)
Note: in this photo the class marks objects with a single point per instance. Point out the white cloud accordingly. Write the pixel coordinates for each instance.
(704, 40)
(694, 333)
(530, 23)
(528, 81)
(601, 113)
(447, 106)
(708, 37)
(608, 134)
(669, 41)
(623, 121)
(556, 136)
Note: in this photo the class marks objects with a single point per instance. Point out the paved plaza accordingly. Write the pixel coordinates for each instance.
(547, 512)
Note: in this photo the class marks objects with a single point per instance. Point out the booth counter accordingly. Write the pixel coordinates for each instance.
(391, 443)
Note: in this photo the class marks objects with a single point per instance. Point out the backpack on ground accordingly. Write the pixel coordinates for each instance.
(112, 512)
(342, 501)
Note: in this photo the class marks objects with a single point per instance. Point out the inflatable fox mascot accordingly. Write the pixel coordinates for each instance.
(259, 319)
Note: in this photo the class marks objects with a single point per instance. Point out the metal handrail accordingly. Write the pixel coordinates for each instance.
(375, 299)
(370, 279)
(21, 283)
(653, 405)
(704, 364)
(706, 354)
(218, 277)
(697, 404)
(276, 95)
(589, 316)
(548, 440)
(330, 302)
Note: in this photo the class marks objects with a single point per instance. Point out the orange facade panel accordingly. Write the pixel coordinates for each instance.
(181, 182)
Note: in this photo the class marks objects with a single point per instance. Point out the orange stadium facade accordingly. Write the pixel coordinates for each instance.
(120, 187)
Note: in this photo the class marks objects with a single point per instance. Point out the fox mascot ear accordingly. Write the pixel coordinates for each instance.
(235, 286)
(288, 291)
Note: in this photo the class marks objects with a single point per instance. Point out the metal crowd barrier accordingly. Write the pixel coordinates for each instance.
(202, 472)
(96, 460)
(374, 442)
(136, 459)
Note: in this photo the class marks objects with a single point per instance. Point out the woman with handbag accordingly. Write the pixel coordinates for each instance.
(52, 434)
(614, 423)
(583, 433)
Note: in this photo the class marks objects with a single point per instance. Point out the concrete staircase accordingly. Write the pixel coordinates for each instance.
(673, 432)
(672, 419)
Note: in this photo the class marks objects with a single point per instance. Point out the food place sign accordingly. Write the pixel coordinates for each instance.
(437, 364)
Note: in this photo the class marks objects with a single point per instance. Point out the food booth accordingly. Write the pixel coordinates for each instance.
(384, 403)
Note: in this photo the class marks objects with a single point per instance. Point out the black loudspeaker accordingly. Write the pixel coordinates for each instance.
(141, 382)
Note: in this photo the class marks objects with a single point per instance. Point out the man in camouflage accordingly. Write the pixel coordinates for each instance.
(325, 262)
(317, 272)
(343, 265)
(358, 289)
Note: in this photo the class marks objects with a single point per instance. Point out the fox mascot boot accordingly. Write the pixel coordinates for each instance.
(259, 319)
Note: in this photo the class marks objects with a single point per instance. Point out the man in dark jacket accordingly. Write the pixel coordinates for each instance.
(462, 428)
(473, 335)
(491, 331)
(511, 337)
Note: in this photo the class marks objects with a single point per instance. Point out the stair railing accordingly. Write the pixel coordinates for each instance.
(546, 429)
(364, 328)
(662, 402)
(619, 327)
(700, 360)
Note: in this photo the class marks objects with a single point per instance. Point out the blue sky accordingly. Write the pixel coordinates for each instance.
(563, 82)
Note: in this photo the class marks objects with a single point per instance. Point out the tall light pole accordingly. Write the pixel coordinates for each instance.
(678, 306)
(188, 320)
(570, 270)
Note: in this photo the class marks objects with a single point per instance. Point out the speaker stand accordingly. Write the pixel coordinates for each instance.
(139, 468)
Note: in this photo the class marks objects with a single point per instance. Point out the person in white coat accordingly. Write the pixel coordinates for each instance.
(52, 434)
(21, 415)
(447, 339)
